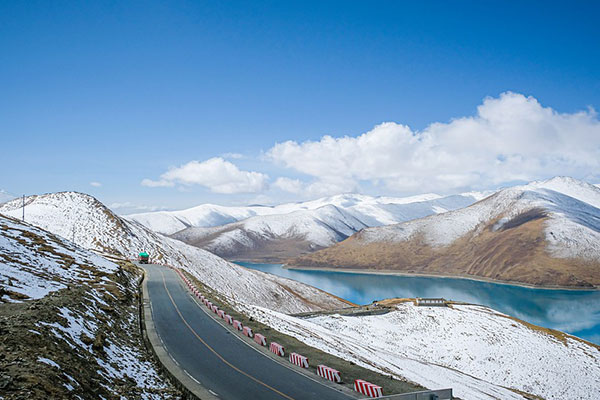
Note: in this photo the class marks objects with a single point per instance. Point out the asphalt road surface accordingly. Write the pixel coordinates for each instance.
(212, 354)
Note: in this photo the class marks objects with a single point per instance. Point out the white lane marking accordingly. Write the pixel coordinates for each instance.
(213, 393)
(173, 358)
(194, 379)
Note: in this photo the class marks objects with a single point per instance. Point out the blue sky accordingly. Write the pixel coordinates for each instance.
(121, 93)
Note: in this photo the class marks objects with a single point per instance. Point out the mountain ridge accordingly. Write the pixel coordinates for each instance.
(546, 233)
(292, 229)
(371, 210)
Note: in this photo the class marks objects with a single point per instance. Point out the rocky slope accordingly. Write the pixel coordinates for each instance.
(91, 225)
(69, 324)
(544, 233)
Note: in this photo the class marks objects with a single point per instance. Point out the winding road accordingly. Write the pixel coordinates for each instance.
(214, 356)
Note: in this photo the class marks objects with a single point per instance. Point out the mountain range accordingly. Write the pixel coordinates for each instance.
(545, 233)
(265, 233)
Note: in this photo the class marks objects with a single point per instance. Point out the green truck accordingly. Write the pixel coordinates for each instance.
(143, 257)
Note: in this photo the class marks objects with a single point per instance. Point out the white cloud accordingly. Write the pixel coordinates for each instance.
(95, 184)
(159, 183)
(511, 138)
(324, 187)
(217, 174)
(295, 186)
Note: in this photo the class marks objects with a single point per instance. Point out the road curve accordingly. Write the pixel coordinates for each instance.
(212, 355)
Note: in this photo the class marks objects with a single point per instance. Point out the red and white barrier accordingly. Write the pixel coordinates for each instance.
(260, 339)
(209, 304)
(299, 360)
(228, 319)
(247, 331)
(329, 373)
(277, 349)
(221, 314)
(237, 324)
(367, 388)
(214, 309)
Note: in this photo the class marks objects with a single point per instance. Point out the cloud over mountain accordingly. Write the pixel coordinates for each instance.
(511, 138)
(217, 174)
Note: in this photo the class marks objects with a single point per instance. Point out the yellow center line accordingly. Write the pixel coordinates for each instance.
(214, 351)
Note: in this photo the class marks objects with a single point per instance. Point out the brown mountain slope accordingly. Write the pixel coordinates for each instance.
(515, 253)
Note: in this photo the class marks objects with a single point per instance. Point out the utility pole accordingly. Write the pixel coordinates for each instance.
(23, 208)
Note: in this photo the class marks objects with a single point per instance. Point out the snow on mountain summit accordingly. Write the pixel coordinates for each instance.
(371, 211)
(566, 200)
(275, 233)
(266, 236)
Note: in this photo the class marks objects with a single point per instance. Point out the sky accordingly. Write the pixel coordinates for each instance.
(166, 105)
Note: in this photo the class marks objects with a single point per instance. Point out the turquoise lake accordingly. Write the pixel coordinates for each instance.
(572, 311)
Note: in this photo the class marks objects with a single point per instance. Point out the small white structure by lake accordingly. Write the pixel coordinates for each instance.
(430, 302)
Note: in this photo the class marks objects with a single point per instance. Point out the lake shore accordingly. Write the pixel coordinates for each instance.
(468, 277)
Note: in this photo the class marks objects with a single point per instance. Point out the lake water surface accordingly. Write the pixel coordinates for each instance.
(573, 311)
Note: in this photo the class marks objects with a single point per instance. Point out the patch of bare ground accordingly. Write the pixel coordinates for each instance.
(515, 253)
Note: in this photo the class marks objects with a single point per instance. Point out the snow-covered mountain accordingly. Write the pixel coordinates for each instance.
(275, 236)
(71, 327)
(371, 211)
(87, 222)
(288, 230)
(479, 352)
(544, 233)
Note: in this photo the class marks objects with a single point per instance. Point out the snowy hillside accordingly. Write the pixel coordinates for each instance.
(82, 218)
(573, 208)
(521, 233)
(31, 256)
(371, 211)
(477, 351)
(71, 327)
(263, 236)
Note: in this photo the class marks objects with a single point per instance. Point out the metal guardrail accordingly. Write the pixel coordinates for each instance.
(441, 394)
